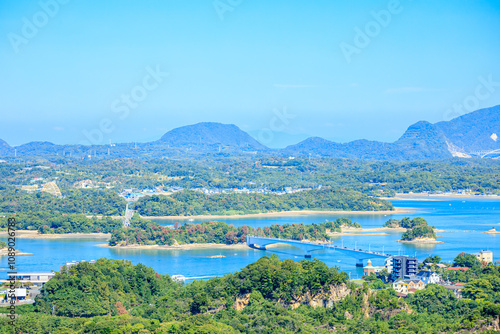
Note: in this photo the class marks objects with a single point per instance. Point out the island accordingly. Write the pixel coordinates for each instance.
(4, 250)
(143, 232)
(492, 231)
(417, 230)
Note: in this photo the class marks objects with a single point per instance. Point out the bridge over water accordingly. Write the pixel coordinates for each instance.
(308, 247)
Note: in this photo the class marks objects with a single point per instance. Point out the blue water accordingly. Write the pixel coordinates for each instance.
(478, 215)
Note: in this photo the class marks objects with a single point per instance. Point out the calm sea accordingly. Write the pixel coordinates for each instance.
(477, 215)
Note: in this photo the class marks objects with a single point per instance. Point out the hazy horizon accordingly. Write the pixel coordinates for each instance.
(340, 71)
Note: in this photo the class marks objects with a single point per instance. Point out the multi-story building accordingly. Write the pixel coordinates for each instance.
(485, 256)
(403, 265)
(388, 264)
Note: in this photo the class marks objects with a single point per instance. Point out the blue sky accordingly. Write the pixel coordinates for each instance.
(282, 70)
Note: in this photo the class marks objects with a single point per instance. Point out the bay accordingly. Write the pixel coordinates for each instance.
(461, 215)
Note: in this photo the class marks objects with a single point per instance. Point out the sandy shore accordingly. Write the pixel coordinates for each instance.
(5, 252)
(382, 230)
(492, 231)
(437, 197)
(35, 235)
(365, 231)
(420, 241)
(286, 214)
(179, 247)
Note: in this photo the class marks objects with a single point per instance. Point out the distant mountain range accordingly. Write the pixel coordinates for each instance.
(471, 135)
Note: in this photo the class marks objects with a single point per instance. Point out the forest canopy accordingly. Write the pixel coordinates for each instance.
(190, 203)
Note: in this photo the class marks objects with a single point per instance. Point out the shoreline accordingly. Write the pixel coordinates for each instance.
(22, 234)
(362, 231)
(421, 241)
(179, 247)
(287, 214)
(437, 197)
(17, 252)
(382, 231)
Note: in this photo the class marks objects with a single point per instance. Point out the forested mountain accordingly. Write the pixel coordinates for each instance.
(460, 137)
(208, 136)
(470, 135)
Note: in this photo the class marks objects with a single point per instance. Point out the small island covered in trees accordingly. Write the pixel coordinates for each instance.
(144, 232)
(417, 230)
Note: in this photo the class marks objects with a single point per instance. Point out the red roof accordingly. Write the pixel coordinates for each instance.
(457, 268)
(460, 283)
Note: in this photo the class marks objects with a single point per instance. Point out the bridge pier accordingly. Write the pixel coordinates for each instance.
(359, 263)
(257, 247)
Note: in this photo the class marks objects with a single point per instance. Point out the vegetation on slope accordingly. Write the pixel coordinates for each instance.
(87, 201)
(419, 232)
(416, 228)
(113, 296)
(47, 223)
(144, 232)
(189, 203)
(406, 222)
(272, 173)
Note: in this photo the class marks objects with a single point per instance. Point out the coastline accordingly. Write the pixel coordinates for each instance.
(382, 230)
(437, 197)
(286, 214)
(179, 247)
(420, 241)
(21, 234)
(365, 231)
(4, 252)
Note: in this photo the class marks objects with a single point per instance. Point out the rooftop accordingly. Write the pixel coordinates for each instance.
(457, 268)
(426, 273)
